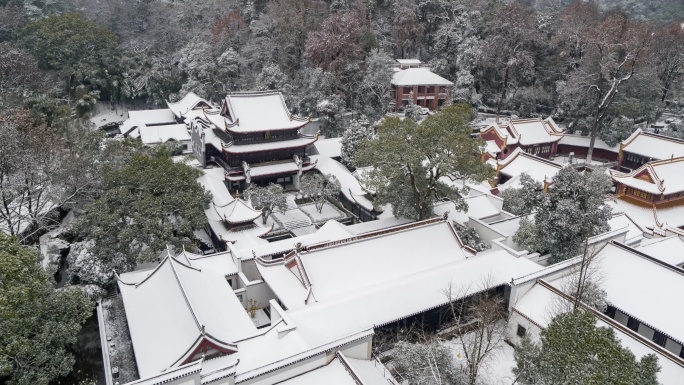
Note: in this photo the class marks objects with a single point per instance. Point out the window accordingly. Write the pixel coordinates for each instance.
(239, 297)
(230, 282)
(610, 312)
(521, 331)
(681, 352)
(407, 90)
(659, 338)
(267, 135)
(633, 324)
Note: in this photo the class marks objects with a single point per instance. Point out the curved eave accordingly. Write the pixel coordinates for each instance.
(227, 149)
(235, 128)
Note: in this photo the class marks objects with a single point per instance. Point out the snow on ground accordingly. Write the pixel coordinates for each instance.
(497, 369)
(328, 212)
(105, 114)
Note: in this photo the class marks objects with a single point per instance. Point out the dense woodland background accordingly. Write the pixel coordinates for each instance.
(534, 57)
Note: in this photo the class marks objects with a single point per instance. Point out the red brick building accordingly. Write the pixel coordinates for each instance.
(413, 84)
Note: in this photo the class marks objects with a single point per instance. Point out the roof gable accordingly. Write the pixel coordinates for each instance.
(175, 310)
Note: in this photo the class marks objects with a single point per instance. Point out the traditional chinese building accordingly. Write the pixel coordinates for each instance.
(413, 84)
(254, 137)
(510, 170)
(657, 183)
(534, 136)
(642, 147)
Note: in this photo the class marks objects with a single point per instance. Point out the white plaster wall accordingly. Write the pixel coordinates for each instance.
(361, 351)
(646, 331)
(673, 346)
(533, 331)
(621, 317)
(260, 292)
(485, 232)
(250, 270)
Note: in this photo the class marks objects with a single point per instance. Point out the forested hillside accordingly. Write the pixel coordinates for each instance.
(536, 57)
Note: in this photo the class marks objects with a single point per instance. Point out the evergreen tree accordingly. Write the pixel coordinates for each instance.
(522, 200)
(572, 210)
(410, 161)
(38, 324)
(574, 351)
(148, 203)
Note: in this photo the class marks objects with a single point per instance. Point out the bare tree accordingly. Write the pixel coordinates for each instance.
(481, 318)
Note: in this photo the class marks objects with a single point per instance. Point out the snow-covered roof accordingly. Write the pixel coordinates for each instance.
(642, 287)
(234, 213)
(189, 102)
(219, 263)
(535, 131)
(212, 180)
(342, 370)
(668, 249)
(330, 231)
(349, 186)
(164, 133)
(177, 307)
(408, 61)
(519, 162)
(653, 146)
(418, 77)
(259, 111)
(541, 303)
(330, 147)
(153, 117)
(649, 217)
(421, 289)
(480, 206)
(378, 224)
(621, 221)
(656, 177)
(340, 268)
(583, 141)
(491, 148)
(129, 125)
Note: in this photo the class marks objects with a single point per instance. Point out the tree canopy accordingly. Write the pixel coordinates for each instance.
(414, 164)
(37, 323)
(267, 199)
(573, 210)
(148, 202)
(574, 351)
(78, 48)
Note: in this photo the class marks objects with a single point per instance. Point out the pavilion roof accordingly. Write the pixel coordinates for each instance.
(189, 102)
(258, 112)
(535, 131)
